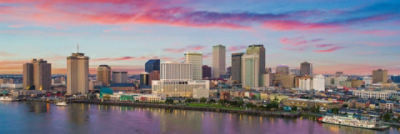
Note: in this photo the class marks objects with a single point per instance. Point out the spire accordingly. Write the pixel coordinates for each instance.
(77, 47)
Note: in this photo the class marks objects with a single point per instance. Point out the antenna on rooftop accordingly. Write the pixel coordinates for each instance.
(77, 47)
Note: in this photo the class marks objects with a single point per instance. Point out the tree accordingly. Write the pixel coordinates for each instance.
(386, 117)
(294, 109)
(169, 101)
(211, 101)
(203, 100)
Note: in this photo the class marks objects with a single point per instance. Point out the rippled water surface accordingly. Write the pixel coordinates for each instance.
(42, 118)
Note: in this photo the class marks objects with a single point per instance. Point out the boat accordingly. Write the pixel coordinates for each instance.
(61, 103)
(6, 98)
(352, 122)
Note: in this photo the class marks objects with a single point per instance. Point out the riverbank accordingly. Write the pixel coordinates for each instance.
(195, 108)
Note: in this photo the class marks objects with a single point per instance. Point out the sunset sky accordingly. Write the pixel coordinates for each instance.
(335, 35)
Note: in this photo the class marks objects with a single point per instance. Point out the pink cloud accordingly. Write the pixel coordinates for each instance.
(185, 49)
(286, 25)
(328, 50)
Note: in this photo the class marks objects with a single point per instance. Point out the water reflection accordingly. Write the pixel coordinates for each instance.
(82, 118)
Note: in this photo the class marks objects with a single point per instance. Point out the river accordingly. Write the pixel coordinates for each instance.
(42, 118)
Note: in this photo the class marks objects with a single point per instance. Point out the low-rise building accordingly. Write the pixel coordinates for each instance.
(374, 94)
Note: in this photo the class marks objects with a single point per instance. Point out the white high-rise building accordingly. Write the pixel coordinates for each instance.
(176, 71)
(196, 59)
(176, 80)
(305, 83)
(218, 61)
(77, 74)
(250, 71)
(318, 82)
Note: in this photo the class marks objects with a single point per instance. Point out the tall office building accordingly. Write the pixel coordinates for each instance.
(119, 77)
(236, 68)
(282, 69)
(77, 74)
(258, 50)
(37, 75)
(380, 76)
(144, 79)
(28, 76)
(306, 69)
(250, 71)
(152, 65)
(218, 66)
(196, 59)
(206, 72)
(104, 74)
(176, 71)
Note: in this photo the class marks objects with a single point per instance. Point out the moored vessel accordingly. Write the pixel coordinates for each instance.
(352, 122)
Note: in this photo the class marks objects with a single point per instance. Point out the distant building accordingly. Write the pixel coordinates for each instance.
(283, 80)
(378, 94)
(236, 68)
(104, 74)
(177, 81)
(305, 83)
(282, 69)
(176, 71)
(218, 60)
(250, 71)
(154, 75)
(318, 82)
(395, 79)
(119, 77)
(196, 59)
(258, 50)
(152, 65)
(206, 72)
(295, 72)
(306, 69)
(37, 75)
(144, 80)
(380, 76)
(77, 74)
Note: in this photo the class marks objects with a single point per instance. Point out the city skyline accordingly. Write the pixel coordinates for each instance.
(361, 40)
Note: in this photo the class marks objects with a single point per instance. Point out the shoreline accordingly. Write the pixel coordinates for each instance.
(185, 107)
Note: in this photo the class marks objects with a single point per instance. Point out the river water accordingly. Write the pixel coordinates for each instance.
(42, 118)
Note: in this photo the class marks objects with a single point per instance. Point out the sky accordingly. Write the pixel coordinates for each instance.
(354, 37)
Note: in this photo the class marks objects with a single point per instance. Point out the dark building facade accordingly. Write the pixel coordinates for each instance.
(206, 71)
(236, 68)
(306, 69)
(395, 79)
(144, 80)
(152, 65)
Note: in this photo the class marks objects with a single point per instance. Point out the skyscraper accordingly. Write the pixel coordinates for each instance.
(282, 69)
(196, 59)
(37, 75)
(236, 68)
(151, 65)
(28, 76)
(250, 71)
(306, 69)
(77, 74)
(104, 74)
(119, 77)
(218, 66)
(206, 72)
(260, 51)
(379, 76)
(144, 79)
